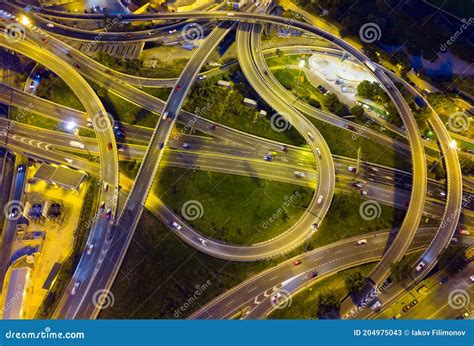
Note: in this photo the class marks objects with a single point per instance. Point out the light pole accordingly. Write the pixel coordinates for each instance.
(301, 64)
(71, 126)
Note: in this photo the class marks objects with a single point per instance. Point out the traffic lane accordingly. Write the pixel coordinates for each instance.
(329, 256)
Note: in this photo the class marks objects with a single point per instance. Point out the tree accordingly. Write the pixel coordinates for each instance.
(453, 259)
(400, 270)
(327, 302)
(355, 283)
(335, 106)
(357, 111)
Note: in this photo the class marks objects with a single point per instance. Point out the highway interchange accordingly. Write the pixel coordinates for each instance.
(113, 237)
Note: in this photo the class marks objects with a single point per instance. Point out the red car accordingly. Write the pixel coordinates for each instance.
(109, 146)
(178, 87)
(297, 262)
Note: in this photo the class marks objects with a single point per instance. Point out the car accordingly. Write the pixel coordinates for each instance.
(68, 160)
(443, 280)
(297, 262)
(471, 278)
(161, 145)
(128, 35)
(108, 214)
(176, 225)
(178, 87)
(420, 266)
(50, 25)
(442, 194)
(265, 73)
(76, 65)
(202, 241)
(320, 199)
(212, 127)
(314, 227)
(275, 297)
(310, 135)
(32, 84)
(373, 169)
(413, 303)
(464, 232)
(202, 77)
(363, 192)
(75, 287)
(109, 146)
(362, 242)
(406, 308)
(44, 40)
(172, 31)
(21, 168)
(102, 206)
(463, 316)
(120, 147)
(299, 174)
(90, 247)
(69, 55)
(376, 306)
(186, 145)
(230, 14)
(318, 152)
(397, 316)
(313, 275)
(165, 115)
(106, 187)
(454, 239)
(284, 148)
(351, 169)
(359, 185)
(267, 157)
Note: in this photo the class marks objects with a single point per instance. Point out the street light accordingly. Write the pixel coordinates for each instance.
(301, 64)
(453, 144)
(25, 20)
(71, 126)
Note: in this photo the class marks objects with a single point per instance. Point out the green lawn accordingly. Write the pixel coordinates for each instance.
(53, 88)
(235, 209)
(160, 273)
(344, 221)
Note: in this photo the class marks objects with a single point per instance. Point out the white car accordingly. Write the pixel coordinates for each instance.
(318, 152)
(471, 278)
(231, 14)
(165, 115)
(376, 306)
(202, 241)
(363, 192)
(90, 247)
(50, 25)
(362, 242)
(359, 185)
(420, 266)
(299, 174)
(320, 199)
(176, 225)
(75, 287)
(351, 169)
(172, 31)
(314, 227)
(464, 232)
(310, 135)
